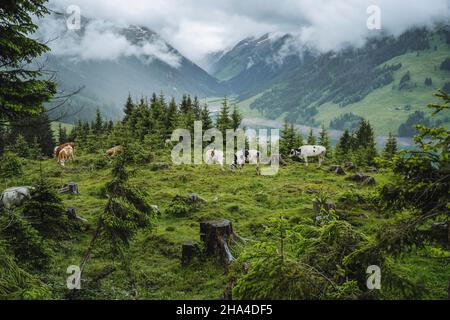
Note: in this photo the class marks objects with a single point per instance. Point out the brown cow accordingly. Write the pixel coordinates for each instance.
(62, 146)
(65, 154)
(114, 150)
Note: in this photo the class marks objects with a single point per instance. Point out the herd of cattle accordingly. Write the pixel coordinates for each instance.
(17, 195)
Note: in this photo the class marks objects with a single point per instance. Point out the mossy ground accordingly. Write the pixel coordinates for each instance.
(244, 198)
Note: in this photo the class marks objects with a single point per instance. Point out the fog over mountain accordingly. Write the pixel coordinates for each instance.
(200, 27)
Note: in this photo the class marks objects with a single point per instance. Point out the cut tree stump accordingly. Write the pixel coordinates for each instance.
(187, 253)
(217, 234)
(71, 187)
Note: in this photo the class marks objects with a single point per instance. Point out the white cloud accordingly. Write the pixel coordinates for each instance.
(198, 27)
(101, 40)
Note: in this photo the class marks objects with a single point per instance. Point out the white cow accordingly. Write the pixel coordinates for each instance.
(213, 156)
(243, 156)
(308, 151)
(15, 196)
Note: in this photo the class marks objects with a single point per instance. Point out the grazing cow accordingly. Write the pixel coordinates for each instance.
(65, 154)
(15, 196)
(306, 152)
(114, 150)
(243, 156)
(213, 156)
(58, 149)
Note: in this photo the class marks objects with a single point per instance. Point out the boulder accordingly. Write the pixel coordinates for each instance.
(337, 169)
(71, 187)
(187, 253)
(350, 166)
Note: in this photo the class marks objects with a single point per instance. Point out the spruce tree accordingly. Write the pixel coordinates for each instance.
(62, 134)
(206, 118)
(98, 124)
(128, 109)
(390, 150)
(344, 147)
(223, 121)
(171, 116)
(324, 139)
(236, 118)
(311, 138)
(23, 89)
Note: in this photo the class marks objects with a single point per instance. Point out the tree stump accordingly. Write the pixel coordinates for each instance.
(187, 253)
(216, 235)
(337, 169)
(71, 187)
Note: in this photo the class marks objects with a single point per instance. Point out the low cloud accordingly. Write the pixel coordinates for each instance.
(199, 27)
(101, 40)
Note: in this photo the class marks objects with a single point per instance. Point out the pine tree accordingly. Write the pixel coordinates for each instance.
(125, 213)
(21, 147)
(324, 139)
(171, 116)
(344, 147)
(223, 121)
(236, 118)
(23, 90)
(390, 150)
(311, 138)
(206, 118)
(196, 109)
(30, 128)
(128, 109)
(365, 139)
(287, 139)
(98, 124)
(62, 134)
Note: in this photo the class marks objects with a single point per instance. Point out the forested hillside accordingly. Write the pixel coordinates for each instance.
(385, 81)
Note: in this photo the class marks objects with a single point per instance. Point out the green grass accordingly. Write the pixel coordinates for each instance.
(244, 198)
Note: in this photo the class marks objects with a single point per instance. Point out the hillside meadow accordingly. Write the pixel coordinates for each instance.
(247, 200)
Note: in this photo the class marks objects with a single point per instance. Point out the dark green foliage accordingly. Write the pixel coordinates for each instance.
(344, 147)
(23, 91)
(28, 247)
(311, 138)
(15, 282)
(407, 129)
(428, 82)
(236, 118)
(390, 150)
(445, 65)
(289, 139)
(324, 140)
(10, 165)
(224, 121)
(128, 109)
(46, 212)
(404, 81)
(127, 210)
(35, 129)
(182, 206)
(62, 134)
(348, 121)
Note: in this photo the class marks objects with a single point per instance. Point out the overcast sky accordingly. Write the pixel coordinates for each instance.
(198, 27)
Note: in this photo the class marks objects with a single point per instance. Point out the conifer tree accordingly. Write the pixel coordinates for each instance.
(171, 116)
(23, 89)
(236, 118)
(98, 124)
(311, 138)
(62, 134)
(223, 121)
(206, 118)
(344, 146)
(128, 109)
(196, 108)
(324, 140)
(390, 150)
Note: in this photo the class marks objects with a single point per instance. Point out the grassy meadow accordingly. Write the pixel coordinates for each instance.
(244, 198)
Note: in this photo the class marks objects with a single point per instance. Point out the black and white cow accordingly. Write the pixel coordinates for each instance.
(245, 156)
(308, 151)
